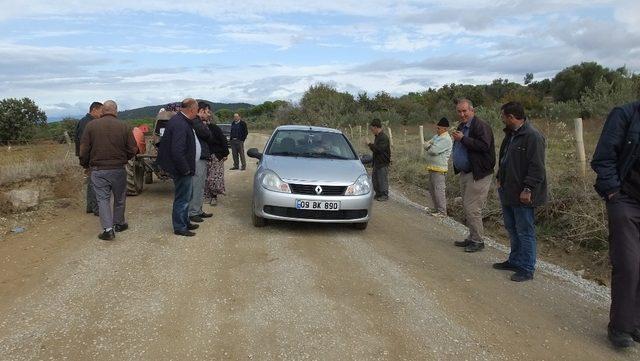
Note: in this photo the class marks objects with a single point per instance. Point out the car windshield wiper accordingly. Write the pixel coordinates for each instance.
(286, 154)
(331, 155)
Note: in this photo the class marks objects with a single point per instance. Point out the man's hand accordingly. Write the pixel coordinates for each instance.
(457, 135)
(367, 141)
(525, 197)
(610, 196)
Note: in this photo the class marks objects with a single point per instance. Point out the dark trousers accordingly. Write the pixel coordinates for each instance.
(519, 222)
(624, 250)
(105, 183)
(237, 148)
(92, 203)
(380, 180)
(182, 195)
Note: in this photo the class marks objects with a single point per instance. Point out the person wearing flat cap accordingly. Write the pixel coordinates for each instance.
(438, 151)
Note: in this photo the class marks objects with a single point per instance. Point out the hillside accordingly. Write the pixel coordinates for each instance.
(151, 111)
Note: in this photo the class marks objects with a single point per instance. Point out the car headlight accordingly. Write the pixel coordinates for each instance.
(272, 182)
(360, 187)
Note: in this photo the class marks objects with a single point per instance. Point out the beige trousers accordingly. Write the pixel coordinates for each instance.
(474, 197)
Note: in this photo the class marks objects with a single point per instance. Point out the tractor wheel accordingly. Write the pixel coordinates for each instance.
(135, 177)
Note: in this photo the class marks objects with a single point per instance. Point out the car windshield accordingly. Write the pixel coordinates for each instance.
(310, 144)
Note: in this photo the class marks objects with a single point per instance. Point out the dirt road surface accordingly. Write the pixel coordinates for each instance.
(397, 291)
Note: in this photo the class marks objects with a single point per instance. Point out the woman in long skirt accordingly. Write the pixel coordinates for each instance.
(215, 171)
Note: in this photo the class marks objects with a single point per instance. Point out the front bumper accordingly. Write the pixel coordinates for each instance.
(282, 206)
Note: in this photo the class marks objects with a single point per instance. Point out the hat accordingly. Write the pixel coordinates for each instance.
(443, 122)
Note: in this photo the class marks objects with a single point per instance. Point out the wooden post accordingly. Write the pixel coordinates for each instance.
(421, 140)
(405, 136)
(67, 138)
(390, 136)
(582, 159)
(350, 132)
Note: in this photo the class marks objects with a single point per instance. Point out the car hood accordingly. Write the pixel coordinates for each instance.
(314, 170)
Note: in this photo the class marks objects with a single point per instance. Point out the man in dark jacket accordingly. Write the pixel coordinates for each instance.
(616, 162)
(381, 148)
(238, 135)
(196, 214)
(177, 155)
(95, 112)
(522, 186)
(474, 157)
(106, 146)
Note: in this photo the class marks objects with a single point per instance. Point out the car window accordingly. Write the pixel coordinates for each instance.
(310, 144)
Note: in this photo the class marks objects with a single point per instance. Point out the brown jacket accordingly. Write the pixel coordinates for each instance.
(107, 143)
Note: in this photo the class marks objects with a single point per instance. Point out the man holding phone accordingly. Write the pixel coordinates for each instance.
(474, 157)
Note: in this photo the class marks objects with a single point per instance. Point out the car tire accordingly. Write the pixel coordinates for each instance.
(361, 226)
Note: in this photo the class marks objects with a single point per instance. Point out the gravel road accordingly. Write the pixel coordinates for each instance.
(396, 291)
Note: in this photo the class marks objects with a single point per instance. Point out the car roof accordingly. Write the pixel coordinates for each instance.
(308, 127)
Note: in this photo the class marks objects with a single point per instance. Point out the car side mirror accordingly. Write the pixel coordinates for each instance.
(254, 153)
(366, 158)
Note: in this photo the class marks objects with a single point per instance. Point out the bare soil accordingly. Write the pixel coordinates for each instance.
(290, 291)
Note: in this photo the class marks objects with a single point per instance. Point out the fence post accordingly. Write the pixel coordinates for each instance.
(421, 140)
(582, 159)
(390, 136)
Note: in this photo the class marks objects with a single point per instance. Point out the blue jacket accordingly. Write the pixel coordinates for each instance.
(618, 148)
(177, 149)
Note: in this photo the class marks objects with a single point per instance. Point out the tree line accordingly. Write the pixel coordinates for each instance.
(588, 89)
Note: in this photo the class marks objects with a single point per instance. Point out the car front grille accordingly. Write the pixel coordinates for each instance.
(311, 189)
(315, 214)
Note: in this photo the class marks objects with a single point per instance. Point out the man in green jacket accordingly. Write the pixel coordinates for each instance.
(438, 151)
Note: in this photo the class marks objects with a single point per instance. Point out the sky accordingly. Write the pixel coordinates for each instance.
(64, 54)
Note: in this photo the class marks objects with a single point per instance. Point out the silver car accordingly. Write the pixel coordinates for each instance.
(310, 174)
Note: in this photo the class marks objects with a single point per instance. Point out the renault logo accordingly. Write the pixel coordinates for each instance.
(318, 189)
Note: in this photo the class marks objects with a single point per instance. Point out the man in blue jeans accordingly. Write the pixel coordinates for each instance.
(177, 155)
(522, 186)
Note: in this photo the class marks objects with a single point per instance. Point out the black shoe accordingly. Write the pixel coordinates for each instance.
(233, 168)
(464, 243)
(521, 276)
(107, 235)
(382, 198)
(205, 215)
(619, 339)
(192, 226)
(184, 233)
(243, 168)
(505, 266)
(120, 227)
(635, 335)
(474, 247)
(97, 214)
(196, 219)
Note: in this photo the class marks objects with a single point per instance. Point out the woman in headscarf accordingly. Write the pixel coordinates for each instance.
(215, 171)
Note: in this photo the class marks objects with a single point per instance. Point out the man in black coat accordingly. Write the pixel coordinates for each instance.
(177, 155)
(238, 135)
(522, 186)
(616, 162)
(474, 157)
(381, 148)
(95, 112)
(196, 214)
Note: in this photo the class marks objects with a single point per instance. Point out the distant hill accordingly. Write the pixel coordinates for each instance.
(152, 111)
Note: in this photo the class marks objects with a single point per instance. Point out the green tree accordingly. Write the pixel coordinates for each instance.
(528, 78)
(19, 119)
(224, 114)
(323, 103)
(571, 82)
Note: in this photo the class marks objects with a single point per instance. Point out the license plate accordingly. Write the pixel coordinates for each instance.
(317, 205)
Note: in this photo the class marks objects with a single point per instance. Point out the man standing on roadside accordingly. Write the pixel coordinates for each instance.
(616, 162)
(522, 186)
(381, 148)
(177, 155)
(474, 157)
(196, 214)
(95, 112)
(438, 151)
(238, 135)
(106, 146)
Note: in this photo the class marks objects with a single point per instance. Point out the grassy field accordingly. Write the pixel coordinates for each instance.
(24, 162)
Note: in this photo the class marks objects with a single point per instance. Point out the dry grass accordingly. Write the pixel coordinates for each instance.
(25, 162)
